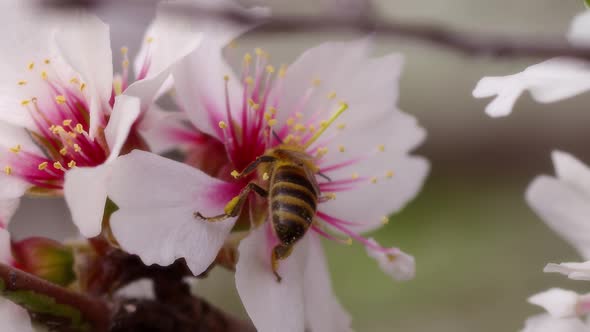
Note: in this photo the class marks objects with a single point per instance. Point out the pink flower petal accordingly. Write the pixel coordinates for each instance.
(14, 318)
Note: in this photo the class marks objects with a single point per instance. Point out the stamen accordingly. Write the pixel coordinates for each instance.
(374, 180)
(22, 82)
(381, 148)
(355, 175)
(222, 124)
(60, 99)
(341, 126)
(25, 102)
(235, 174)
(16, 148)
(265, 176)
(8, 170)
(44, 75)
(46, 61)
(57, 165)
(341, 148)
(149, 40)
(77, 148)
(272, 122)
(332, 95)
(31, 65)
(323, 128)
(63, 151)
(67, 122)
(389, 174)
(42, 165)
(72, 164)
(384, 220)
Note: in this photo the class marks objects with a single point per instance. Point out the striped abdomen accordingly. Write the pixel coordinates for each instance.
(293, 202)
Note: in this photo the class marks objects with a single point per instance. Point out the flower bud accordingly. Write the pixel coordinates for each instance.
(45, 258)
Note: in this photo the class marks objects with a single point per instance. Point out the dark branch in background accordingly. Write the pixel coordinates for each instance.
(469, 43)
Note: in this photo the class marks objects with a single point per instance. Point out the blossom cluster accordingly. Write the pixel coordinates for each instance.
(275, 157)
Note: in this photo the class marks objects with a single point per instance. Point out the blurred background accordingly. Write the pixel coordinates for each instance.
(480, 251)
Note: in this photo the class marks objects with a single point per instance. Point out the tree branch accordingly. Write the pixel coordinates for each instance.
(465, 42)
(92, 310)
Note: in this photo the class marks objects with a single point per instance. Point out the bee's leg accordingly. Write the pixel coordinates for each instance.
(252, 166)
(233, 208)
(279, 252)
(325, 176)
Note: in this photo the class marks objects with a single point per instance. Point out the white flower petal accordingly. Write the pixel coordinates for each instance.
(575, 271)
(271, 305)
(12, 187)
(86, 194)
(564, 209)
(323, 311)
(579, 29)
(548, 82)
(85, 44)
(14, 318)
(394, 262)
(7, 209)
(125, 112)
(140, 289)
(164, 130)
(548, 323)
(572, 171)
(560, 303)
(157, 198)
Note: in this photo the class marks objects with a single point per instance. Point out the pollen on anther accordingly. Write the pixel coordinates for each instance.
(74, 80)
(57, 165)
(381, 148)
(124, 50)
(79, 128)
(60, 99)
(25, 102)
(247, 58)
(341, 148)
(222, 124)
(272, 110)
(226, 78)
(249, 80)
(332, 95)
(389, 174)
(44, 75)
(341, 126)
(31, 65)
(82, 86)
(272, 122)
(67, 122)
(282, 71)
(77, 148)
(384, 220)
(8, 170)
(63, 151)
(42, 165)
(235, 174)
(330, 196)
(16, 148)
(299, 115)
(316, 82)
(265, 176)
(72, 164)
(46, 61)
(355, 175)
(290, 121)
(374, 180)
(149, 40)
(349, 241)
(22, 82)
(270, 69)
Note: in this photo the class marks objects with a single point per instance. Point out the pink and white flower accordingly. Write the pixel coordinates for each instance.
(548, 81)
(364, 151)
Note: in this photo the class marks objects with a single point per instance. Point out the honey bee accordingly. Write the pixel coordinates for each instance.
(293, 192)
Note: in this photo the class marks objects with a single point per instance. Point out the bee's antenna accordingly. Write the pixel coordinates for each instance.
(276, 136)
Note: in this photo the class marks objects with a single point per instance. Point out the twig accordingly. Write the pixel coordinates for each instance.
(92, 310)
(469, 43)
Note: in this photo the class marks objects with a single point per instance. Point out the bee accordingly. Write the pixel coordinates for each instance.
(292, 194)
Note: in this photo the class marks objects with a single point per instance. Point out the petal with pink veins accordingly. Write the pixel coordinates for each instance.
(85, 44)
(164, 131)
(158, 197)
(272, 306)
(14, 318)
(323, 311)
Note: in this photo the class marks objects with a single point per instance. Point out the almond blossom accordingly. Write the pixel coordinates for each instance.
(64, 119)
(548, 81)
(336, 107)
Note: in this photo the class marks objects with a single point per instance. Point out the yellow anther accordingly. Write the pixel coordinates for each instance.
(79, 128)
(247, 58)
(222, 124)
(341, 126)
(323, 124)
(25, 102)
(300, 127)
(67, 122)
(125, 63)
(321, 152)
(8, 170)
(348, 241)
(74, 80)
(272, 110)
(374, 180)
(311, 128)
(267, 116)
(77, 148)
(57, 165)
(72, 164)
(42, 165)
(56, 129)
(391, 257)
(60, 99)
(44, 75)
(249, 80)
(270, 69)
(389, 174)
(272, 122)
(341, 148)
(46, 61)
(355, 175)
(149, 40)
(235, 174)
(330, 196)
(226, 78)
(22, 82)
(124, 50)
(253, 104)
(299, 115)
(265, 176)
(31, 65)
(381, 148)
(82, 86)
(343, 107)
(16, 148)
(316, 82)
(63, 151)
(384, 220)
(332, 95)
(258, 51)
(290, 121)
(288, 139)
